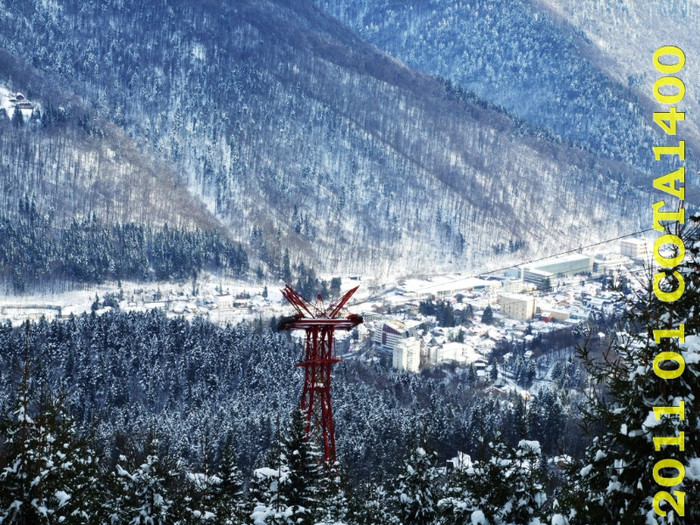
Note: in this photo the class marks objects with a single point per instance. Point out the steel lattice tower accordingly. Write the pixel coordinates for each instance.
(319, 355)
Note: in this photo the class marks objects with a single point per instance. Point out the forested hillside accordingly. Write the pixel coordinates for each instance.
(568, 69)
(626, 33)
(132, 374)
(72, 163)
(295, 132)
(142, 389)
(37, 251)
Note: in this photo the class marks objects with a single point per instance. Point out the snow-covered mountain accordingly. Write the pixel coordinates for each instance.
(280, 124)
(580, 71)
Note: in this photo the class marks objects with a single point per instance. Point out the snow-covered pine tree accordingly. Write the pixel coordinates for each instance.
(20, 433)
(51, 475)
(267, 495)
(545, 419)
(418, 488)
(526, 481)
(196, 498)
(23, 487)
(505, 489)
(288, 490)
(230, 503)
(370, 502)
(205, 496)
(332, 506)
(458, 504)
(304, 462)
(75, 479)
(269, 505)
(141, 495)
(616, 483)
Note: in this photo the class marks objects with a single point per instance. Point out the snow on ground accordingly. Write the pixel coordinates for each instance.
(7, 103)
(445, 284)
(222, 300)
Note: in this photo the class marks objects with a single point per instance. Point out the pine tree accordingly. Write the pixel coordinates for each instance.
(142, 496)
(17, 117)
(52, 475)
(369, 501)
(199, 496)
(332, 507)
(458, 504)
(487, 316)
(493, 373)
(20, 497)
(268, 497)
(507, 488)
(616, 483)
(288, 490)
(304, 463)
(545, 419)
(526, 482)
(196, 499)
(39, 478)
(470, 375)
(230, 504)
(75, 478)
(418, 488)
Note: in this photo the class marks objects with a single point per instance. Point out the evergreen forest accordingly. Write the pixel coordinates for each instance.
(292, 141)
(34, 251)
(128, 405)
(142, 418)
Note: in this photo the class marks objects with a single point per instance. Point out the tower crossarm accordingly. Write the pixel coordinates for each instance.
(300, 304)
(334, 309)
(296, 323)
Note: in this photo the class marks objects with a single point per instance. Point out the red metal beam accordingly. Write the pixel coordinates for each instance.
(297, 301)
(335, 310)
(319, 356)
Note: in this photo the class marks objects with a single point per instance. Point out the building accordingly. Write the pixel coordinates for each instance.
(552, 313)
(539, 278)
(388, 333)
(606, 262)
(517, 306)
(634, 248)
(392, 332)
(406, 355)
(448, 352)
(511, 285)
(550, 269)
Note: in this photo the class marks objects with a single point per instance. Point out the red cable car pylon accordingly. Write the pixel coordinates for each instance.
(319, 355)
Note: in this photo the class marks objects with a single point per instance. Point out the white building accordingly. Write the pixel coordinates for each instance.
(406, 355)
(517, 306)
(391, 333)
(566, 265)
(448, 352)
(634, 248)
(606, 262)
(512, 285)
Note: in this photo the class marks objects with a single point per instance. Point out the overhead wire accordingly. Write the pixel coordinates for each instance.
(543, 258)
